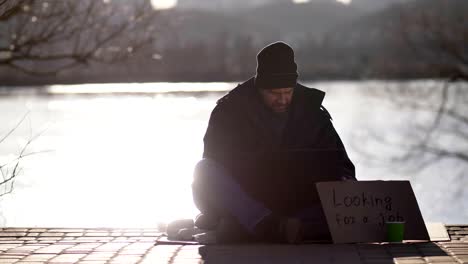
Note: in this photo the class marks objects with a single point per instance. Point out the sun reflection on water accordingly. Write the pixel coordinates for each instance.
(117, 161)
(123, 154)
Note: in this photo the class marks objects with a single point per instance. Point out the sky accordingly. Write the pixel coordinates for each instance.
(165, 4)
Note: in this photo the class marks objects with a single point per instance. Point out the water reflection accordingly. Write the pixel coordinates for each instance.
(127, 160)
(123, 161)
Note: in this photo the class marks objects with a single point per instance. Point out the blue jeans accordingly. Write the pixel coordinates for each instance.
(215, 191)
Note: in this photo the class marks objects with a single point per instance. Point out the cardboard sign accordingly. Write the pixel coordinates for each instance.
(356, 211)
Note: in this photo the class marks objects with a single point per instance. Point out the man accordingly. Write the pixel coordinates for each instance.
(241, 186)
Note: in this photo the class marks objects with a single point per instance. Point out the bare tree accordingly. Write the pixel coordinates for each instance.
(45, 37)
(10, 7)
(437, 33)
(10, 170)
(436, 128)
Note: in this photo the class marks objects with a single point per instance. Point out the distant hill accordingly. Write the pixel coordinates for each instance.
(230, 5)
(377, 43)
(286, 21)
(379, 27)
(375, 5)
(331, 40)
(194, 26)
(234, 5)
(300, 21)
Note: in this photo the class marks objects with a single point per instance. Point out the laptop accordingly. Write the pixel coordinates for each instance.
(285, 180)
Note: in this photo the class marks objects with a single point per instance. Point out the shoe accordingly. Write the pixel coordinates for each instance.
(229, 231)
(280, 230)
(207, 221)
(173, 227)
(206, 238)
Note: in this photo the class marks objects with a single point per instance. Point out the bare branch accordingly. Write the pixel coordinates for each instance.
(8, 175)
(14, 128)
(51, 36)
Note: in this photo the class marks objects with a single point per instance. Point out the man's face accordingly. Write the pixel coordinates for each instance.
(278, 99)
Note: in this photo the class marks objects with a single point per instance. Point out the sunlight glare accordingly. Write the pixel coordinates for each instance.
(163, 4)
(346, 2)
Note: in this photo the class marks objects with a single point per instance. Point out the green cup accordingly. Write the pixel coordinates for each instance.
(395, 231)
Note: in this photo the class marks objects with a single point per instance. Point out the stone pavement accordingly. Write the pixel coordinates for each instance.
(59, 245)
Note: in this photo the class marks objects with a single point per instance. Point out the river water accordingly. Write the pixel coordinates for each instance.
(122, 155)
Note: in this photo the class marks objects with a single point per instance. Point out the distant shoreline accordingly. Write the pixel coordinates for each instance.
(34, 82)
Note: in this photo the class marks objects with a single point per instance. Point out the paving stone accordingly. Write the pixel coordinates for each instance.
(430, 244)
(4, 247)
(154, 260)
(132, 245)
(25, 240)
(383, 261)
(53, 249)
(67, 258)
(12, 234)
(125, 259)
(373, 252)
(73, 234)
(35, 242)
(405, 254)
(39, 257)
(92, 262)
(86, 246)
(132, 234)
(152, 240)
(110, 247)
(433, 254)
(462, 259)
(67, 230)
(437, 259)
(99, 256)
(445, 262)
(52, 234)
(37, 230)
(122, 239)
(460, 254)
(48, 238)
(8, 261)
(132, 252)
(407, 251)
(97, 234)
(409, 260)
(13, 229)
(140, 245)
(155, 234)
(92, 240)
(6, 239)
(11, 256)
(456, 245)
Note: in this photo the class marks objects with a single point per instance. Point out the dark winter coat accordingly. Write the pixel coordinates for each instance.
(237, 136)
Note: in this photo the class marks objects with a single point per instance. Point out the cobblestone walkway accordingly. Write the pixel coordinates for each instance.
(58, 245)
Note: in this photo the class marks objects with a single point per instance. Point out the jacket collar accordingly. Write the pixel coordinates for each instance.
(246, 101)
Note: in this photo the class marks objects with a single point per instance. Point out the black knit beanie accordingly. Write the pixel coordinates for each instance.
(276, 67)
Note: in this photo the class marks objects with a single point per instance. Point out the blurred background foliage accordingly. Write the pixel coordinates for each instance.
(43, 41)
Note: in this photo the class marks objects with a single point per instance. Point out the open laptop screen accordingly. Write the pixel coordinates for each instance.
(285, 181)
